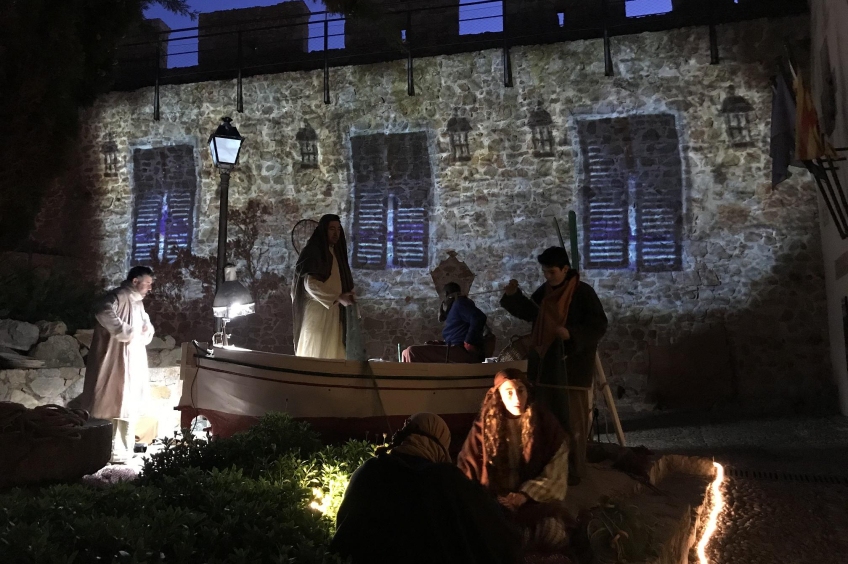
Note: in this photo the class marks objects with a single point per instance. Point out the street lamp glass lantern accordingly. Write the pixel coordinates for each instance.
(225, 144)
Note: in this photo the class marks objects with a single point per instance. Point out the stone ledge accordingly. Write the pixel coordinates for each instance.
(673, 500)
(42, 386)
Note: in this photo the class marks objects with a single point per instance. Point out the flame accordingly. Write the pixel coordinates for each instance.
(718, 506)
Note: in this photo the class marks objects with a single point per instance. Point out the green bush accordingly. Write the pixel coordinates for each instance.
(217, 502)
(253, 452)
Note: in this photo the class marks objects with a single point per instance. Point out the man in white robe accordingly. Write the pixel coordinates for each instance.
(116, 375)
(322, 286)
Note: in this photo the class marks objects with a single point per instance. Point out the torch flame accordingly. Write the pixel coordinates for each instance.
(718, 505)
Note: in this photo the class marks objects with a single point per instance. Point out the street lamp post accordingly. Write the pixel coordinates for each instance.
(224, 146)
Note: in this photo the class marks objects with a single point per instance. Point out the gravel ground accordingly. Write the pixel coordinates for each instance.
(768, 522)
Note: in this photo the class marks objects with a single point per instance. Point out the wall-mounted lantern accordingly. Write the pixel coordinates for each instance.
(110, 158)
(307, 139)
(737, 118)
(540, 124)
(458, 128)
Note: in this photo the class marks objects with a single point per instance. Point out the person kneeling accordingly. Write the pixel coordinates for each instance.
(410, 504)
(518, 450)
(462, 333)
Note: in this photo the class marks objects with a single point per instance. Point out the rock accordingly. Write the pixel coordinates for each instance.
(22, 398)
(13, 359)
(49, 329)
(160, 392)
(84, 336)
(59, 350)
(18, 335)
(153, 359)
(171, 357)
(158, 344)
(4, 391)
(74, 390)
(165, 374)
(15, 378)
(48, 383)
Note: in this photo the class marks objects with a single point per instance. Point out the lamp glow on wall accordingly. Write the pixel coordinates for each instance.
(110, 158)
(224, 147)
(737, 118)
(458, 129)
(307, 140)
(541, 124)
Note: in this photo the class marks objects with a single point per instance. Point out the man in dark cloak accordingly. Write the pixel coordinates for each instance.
(568, 322)
(321, 288)
(410, 504)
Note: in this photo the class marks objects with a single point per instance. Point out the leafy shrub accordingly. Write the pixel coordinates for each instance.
(242, 499)
(253, 452)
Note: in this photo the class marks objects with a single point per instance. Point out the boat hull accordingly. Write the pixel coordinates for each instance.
(342, 399)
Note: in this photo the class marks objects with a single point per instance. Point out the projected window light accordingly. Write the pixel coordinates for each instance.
(639, 8)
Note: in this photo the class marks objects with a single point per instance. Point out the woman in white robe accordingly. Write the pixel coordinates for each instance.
(322, 286)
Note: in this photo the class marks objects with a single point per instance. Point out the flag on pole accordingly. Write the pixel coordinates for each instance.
(782, 131)
(809, 142)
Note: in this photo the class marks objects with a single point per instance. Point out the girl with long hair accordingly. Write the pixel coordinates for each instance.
(519, 452)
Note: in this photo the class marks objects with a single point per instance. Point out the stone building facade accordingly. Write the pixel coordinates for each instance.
(686, 236)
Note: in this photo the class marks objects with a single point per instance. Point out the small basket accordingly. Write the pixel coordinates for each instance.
(518, 348)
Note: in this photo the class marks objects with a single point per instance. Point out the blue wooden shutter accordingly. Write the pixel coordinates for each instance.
(179, 222)
(659, 201)
(164, 182)
(409, 182)
(606, 225)
(146, 232)
(370, 201)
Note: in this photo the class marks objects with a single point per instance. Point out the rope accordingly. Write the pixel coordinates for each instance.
(43, 422)
(410, 298)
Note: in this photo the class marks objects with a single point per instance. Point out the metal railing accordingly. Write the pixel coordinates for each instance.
(311, 41)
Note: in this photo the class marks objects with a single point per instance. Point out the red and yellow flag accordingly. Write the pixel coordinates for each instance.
(809, 142)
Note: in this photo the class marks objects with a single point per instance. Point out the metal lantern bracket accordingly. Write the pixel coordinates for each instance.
(826, 173)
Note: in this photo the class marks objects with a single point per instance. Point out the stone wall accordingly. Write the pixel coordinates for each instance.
(749, 257)
(58, 386)
(62, 375)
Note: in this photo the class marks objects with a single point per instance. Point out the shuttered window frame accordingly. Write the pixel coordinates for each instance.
(391, 223)
(164, 209)
(627, 227)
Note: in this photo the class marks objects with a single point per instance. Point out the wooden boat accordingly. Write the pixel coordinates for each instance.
(342, 399)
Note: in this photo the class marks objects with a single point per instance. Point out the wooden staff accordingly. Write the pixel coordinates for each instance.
(600, 376)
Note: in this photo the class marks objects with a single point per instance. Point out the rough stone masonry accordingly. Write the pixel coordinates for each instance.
(739, 256)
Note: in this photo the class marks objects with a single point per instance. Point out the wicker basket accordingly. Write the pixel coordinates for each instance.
(518, 348)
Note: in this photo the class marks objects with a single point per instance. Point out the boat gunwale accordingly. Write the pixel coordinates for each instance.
(366, 374)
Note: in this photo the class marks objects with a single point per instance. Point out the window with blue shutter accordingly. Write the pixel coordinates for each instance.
(393, 181)
(164, 188)
(632, 192)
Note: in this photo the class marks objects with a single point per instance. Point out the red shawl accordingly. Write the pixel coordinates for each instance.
(553, 312)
